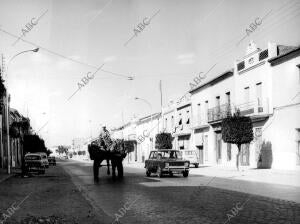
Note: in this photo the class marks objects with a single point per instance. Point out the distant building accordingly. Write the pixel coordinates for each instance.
(78, 145)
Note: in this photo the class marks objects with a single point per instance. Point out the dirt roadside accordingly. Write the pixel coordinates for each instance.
(49, 198)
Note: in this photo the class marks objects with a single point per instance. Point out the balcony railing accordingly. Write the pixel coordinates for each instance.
(219, 112)
(256, 107)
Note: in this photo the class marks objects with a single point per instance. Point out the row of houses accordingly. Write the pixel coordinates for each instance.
(13, 127)
(264, 85)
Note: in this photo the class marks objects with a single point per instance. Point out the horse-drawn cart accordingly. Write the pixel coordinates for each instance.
(115, 152)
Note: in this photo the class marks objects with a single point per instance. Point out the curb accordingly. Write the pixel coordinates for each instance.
(5, 178)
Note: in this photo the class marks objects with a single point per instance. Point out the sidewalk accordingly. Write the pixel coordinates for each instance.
(271, 176)
(3, 175)
(49, 198)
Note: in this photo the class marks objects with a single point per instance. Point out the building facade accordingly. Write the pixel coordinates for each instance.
(264, 85)
(255, 86)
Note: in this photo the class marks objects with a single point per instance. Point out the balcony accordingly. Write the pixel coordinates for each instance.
(218, 113)
(256, 107)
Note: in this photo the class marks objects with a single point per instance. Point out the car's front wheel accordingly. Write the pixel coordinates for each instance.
(148, 173)
(185, 173)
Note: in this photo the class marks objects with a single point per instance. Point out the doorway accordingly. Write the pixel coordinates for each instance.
(244, 158)
(218, 148)
(201, 154)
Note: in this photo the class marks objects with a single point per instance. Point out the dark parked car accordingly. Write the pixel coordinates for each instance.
(52, 160)
(166, 161)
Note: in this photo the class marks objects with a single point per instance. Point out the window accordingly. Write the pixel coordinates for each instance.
(153, 155)
(206, 110)
(217, 111)
(246, 94)
(166, 123)
(240, 65)
(172, 121)
(199, 113)
(187, 117)
(228, 98)
(264, 54)
(228, 102)
(218, 101)
(259, 93)
(180, 120)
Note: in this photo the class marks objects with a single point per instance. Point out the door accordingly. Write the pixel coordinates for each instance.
(218, 148)
(244, 158)
(201, 160)
(205, 147)
(200, 154)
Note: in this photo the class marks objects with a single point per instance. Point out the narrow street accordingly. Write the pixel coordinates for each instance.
(178, 199)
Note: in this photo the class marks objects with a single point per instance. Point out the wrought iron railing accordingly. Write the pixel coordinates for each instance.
(219, 112)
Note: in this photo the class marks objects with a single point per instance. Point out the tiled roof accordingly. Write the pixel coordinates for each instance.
(282, 49)
(214, 80)
(284, 53)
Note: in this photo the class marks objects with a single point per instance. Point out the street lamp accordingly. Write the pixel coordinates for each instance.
(7, 110)
(149, 104)
(33, 50)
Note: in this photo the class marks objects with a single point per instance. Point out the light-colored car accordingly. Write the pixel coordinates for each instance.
(191, 156)
(44, 159)
(34, 162)
(166, 161)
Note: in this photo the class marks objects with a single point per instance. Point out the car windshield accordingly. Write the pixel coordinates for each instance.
(32, 157)
(170, 155)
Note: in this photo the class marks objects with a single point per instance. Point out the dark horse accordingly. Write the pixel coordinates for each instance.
(116, 154)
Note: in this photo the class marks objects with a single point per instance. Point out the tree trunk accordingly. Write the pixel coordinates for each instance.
(238, 157)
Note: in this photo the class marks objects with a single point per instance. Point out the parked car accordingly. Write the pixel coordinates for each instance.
(34, 162)
(52, 160)
(166, 161)
(191, 156)
(44, 159)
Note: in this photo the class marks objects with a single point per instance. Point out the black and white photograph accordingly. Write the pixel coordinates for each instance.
(149, 111)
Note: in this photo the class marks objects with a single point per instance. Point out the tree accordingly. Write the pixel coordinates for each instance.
(237, 130)
(33, 143)
(2, 90)
(163, 140)
(49, 152)
(63, 149)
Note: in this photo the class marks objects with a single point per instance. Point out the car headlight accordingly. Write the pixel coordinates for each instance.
(166, 165)
(186, 164)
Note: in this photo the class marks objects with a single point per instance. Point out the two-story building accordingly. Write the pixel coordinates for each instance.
(211, 102)
(256, 86)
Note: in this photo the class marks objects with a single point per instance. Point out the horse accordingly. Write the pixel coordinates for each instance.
(116, 152)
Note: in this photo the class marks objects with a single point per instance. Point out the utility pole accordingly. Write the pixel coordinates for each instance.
(161, 113)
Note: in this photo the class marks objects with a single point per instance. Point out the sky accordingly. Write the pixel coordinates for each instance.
(182, 39)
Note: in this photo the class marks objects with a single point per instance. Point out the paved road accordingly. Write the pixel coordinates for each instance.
(139, 199)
